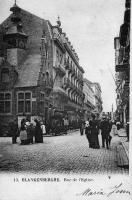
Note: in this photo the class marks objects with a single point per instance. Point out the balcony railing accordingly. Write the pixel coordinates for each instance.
(66, 83)
(122, 68)
(58, 40)
(70, 67)
(60, 69)
(73, 72)
(66, 63)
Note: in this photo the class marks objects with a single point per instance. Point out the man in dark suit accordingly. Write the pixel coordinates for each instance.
(105, 131)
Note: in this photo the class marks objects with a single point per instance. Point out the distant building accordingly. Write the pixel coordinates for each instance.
(122, 67)
(89, 100)
(40, 75)
(97, 99)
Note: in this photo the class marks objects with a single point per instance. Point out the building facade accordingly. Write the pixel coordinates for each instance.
(122, 67)
(89, 100)
(97, 99)
(40, 75)
(67, 75)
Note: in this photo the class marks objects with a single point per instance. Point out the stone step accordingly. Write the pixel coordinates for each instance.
(122, 158)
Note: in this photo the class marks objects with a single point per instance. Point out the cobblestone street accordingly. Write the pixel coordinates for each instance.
(64, 154)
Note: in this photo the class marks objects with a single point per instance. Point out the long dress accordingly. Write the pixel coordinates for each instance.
(94, 134)
(38, 133)
(88, 135)
(23, 136)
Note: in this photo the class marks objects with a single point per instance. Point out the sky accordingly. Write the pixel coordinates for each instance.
(91, 26)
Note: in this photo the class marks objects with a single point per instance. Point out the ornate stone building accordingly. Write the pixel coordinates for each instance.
(122, 66)
(40, 74)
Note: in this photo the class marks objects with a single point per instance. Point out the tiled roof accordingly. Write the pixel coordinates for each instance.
(29, 71)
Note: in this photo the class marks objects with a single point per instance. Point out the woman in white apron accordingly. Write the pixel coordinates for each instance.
(23, 132)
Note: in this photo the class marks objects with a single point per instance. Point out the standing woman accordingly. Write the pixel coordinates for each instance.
(23, 132)
(38, 132)
(82, 126)
(88, 132)
(94, 133)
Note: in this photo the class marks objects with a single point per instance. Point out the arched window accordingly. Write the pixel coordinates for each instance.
(47, 77)
(5, 75)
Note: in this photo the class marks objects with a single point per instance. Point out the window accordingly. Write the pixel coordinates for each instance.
(57, 55)
(5, 75)
(24, 102)
(5, 102)
(41, 102)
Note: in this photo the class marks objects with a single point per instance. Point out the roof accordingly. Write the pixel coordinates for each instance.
(14, 30)
(29, 71)
(29, 66)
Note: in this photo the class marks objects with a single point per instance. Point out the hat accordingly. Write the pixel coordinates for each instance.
(103, 117)
(27, 123)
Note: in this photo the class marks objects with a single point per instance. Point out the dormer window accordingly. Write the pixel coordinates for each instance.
(5, 75)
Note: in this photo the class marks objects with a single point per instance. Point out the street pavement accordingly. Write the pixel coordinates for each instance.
(59, 154)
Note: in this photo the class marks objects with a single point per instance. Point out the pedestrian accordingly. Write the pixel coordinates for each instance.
(88, 132)
(57, 127)
(29, 129)
(23, 132)
(118, 124)
(82, 127)
(127, 131)
(94, 133)
(14, 131)
(113, 130)
(43, 128)
(105, 132)
(38, 132)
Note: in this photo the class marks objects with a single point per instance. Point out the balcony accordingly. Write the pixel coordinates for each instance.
(122, 68)
(73, 72)
(57, 39)
(81, 82)
(126, 85)
(66, 63)
(66, 83)
(73, 87)
(60, 69)
(124, 32)
(70, 67)
(79, 91)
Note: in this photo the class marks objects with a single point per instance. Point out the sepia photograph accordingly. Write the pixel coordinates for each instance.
(65, 99)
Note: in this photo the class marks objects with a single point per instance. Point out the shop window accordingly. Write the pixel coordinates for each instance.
(5, 102)
(5, 75)
(24, 102)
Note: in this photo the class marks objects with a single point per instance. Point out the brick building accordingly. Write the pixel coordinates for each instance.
(122, 67)
(40, 75)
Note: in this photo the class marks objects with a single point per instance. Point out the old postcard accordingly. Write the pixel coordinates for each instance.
(65, 100)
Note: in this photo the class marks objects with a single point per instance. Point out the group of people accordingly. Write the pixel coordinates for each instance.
(28, 132)
(94, 127)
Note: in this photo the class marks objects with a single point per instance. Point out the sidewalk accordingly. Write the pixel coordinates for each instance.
(123, 149)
